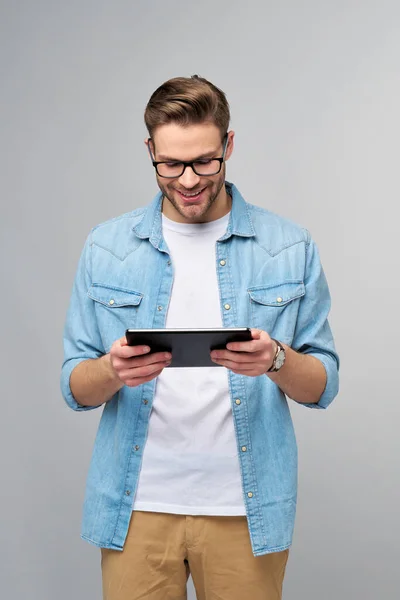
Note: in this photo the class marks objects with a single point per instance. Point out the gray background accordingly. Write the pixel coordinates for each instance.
(315, 92)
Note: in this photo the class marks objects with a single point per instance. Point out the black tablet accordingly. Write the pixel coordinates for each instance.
(189, 347)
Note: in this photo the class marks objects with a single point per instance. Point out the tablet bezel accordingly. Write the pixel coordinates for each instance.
(202, 341)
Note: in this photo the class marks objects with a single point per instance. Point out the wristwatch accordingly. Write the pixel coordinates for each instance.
(279, 358)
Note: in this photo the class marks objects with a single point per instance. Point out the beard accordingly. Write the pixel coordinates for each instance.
(195, 212)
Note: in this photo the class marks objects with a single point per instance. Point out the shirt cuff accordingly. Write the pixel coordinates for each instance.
(332, 381)
(66, 371)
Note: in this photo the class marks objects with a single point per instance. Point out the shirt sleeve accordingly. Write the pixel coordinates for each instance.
(312, 333)
(82, 338)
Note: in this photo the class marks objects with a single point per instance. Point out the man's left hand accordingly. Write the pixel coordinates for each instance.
(252, 358)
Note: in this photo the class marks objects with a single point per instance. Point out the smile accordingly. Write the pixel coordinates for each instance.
(192, 196)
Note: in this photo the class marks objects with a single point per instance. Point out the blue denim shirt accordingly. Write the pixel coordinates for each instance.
(270, 277)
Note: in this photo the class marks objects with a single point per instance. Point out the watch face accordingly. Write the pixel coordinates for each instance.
(280, 360)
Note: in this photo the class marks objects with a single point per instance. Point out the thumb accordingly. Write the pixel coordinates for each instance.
(256, 334)
(123, 341)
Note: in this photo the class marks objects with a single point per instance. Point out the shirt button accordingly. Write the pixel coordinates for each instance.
(250, 494)
(145, 401)
(244, 448)
(128, 492)
(112, 302)
(137, 448)
(279, 299)
(222, 263)
(159, 307)
(238, 401)
(169, 262)
(227, 306)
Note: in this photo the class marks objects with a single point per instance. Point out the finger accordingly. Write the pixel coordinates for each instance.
(143, 371)
(256, 333)
(123, 341)
(129, 351)
(239, 357)
(252, 346)
(124, 365)
(152, 358)
(235, 366)
(140, 380)
(149, 359)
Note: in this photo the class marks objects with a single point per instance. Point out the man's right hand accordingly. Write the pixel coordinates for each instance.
(133, 365)
(96, 380)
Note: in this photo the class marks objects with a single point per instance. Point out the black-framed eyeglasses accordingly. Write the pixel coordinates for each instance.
(202, 166)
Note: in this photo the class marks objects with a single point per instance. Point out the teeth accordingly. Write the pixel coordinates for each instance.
(190, 195)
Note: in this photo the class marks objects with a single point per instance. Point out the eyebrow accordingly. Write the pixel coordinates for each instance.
(211, 154)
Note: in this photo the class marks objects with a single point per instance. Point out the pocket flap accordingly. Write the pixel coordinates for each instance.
(114, 297)
(277, 294)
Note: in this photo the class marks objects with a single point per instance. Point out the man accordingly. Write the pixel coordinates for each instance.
(195, 470)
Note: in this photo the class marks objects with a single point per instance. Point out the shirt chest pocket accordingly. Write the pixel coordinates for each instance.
(274, 307)
(116, 310)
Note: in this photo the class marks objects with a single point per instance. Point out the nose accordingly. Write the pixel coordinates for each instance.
(189, 179)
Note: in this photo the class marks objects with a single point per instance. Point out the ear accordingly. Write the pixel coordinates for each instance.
(150, 147)
(230, 145)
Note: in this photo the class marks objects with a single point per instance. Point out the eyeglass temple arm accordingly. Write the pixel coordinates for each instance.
(150, 141)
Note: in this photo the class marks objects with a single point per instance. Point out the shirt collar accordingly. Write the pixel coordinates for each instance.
(240, 223)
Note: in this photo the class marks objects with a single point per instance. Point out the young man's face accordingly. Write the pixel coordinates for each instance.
(192, 198)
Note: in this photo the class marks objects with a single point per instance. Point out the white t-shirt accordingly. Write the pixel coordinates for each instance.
(190, 463)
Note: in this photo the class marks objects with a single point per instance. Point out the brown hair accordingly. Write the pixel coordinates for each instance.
(187, 100)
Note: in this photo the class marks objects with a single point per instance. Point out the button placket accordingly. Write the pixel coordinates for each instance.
(244, 449)
(227, 307)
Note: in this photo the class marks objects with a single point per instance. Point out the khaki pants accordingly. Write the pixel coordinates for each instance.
(162, 550)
